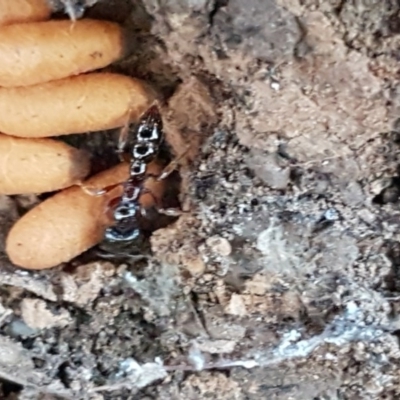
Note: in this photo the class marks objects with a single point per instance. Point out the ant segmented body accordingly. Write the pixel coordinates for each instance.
(147, 142)
(126, 209)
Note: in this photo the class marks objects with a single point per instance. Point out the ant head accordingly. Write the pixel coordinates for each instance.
(150, 128)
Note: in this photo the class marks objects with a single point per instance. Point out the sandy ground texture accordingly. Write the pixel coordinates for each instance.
(282, 279)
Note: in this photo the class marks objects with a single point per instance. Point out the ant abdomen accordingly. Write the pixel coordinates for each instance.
(115, 234)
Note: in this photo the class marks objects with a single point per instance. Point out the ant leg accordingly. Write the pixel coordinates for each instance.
(122, 140)
(171, 167)
(90, 190)
(171, 212)
(95, 192)
(124, 157)
(111, 206)
(123, 134)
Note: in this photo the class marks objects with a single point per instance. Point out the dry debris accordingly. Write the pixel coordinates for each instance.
(35, 314)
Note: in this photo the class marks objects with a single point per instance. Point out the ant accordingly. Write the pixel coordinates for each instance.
(148, 139)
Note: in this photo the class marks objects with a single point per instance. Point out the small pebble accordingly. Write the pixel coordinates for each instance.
(195, 265)
(219, 245)
(236, 306)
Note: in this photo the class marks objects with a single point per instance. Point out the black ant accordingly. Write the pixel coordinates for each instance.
(148, 139)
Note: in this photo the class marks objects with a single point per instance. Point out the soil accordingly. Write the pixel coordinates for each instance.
(282, 278)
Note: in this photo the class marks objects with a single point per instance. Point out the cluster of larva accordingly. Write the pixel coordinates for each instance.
(48, 88)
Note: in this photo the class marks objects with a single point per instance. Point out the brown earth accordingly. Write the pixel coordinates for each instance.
(282, 281)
